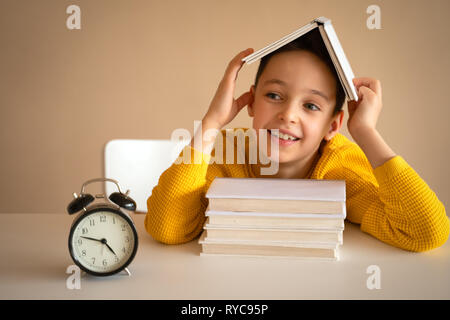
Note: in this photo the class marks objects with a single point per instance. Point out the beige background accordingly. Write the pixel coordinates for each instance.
(140, 69)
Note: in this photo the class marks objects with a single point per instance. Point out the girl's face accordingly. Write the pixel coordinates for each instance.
(296, 93)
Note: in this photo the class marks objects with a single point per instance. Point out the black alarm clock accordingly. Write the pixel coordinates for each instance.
(103, 239)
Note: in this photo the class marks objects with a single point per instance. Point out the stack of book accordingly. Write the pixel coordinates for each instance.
(274, 217)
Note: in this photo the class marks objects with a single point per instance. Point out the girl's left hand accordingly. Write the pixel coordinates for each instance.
(363, 114)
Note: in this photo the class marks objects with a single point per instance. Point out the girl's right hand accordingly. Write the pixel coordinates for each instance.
(224, 108)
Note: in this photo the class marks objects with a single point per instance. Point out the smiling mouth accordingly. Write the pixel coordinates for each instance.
(282, 136)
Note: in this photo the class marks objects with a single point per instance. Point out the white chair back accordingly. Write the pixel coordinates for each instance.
(138, 164)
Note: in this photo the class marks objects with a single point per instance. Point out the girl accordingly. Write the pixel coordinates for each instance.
(298, 92)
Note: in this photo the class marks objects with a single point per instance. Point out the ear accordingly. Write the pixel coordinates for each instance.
(335, 126)
(250, 110)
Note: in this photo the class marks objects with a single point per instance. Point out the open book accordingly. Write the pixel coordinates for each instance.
(332, 44)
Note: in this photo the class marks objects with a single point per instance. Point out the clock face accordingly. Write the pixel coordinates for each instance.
(103, 242)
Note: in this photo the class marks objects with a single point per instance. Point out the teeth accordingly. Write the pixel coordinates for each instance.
(283, 136)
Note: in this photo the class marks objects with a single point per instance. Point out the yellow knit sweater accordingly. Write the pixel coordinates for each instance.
(390, 202)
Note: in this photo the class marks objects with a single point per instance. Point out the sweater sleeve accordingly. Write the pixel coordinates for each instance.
(177, 204)
(392, 203)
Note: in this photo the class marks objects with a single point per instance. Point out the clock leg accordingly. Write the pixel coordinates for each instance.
(127, 271)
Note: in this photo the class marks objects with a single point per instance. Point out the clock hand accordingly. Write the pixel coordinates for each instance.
(102, 241)
(89, 238)
(110, 248)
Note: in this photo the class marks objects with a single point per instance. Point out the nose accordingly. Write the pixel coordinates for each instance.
(289, 113)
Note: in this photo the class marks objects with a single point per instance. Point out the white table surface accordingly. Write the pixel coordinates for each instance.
(35, 256)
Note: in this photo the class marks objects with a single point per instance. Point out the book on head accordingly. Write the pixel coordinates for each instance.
(333, 47)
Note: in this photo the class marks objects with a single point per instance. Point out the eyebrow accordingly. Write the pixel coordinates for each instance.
(282, 83)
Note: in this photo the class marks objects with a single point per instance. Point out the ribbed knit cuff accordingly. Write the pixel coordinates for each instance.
(389, 169)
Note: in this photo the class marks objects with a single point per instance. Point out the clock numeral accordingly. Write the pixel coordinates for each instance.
(102, 218)
(116, 259)
(127, 239)
(123, 227)
(84, 230)
(114, 220)
(83, 252)
(92, 223)
(80, 242)
(93, 260)
(105, 263)
(124, 250)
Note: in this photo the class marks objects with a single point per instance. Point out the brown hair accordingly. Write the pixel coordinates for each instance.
(312, 42)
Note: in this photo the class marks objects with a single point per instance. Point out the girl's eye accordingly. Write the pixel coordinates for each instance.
(273, 96)
(312, 107)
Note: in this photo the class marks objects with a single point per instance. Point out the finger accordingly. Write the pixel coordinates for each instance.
(235, 65)
(373, 84)
(227, 84)
(244, 100)
(351, 105)
(366, 93)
